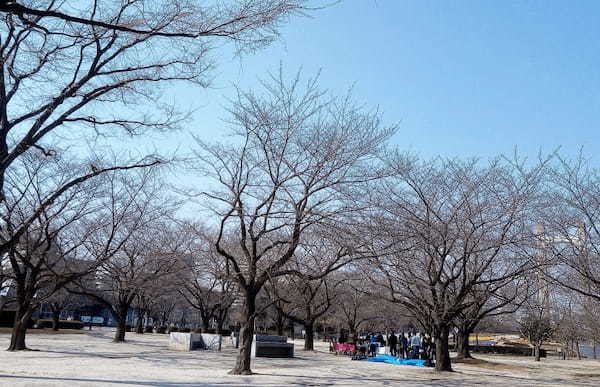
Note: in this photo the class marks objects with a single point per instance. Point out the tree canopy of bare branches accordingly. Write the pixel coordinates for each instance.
(297, 151)
(457, 225)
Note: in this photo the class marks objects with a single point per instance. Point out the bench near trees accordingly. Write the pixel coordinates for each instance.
(271, 346)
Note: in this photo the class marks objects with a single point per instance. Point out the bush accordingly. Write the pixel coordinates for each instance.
(148, 329)
(127, 328)
(62, 324)
(161, 329)
(173, 329)
(185, 330)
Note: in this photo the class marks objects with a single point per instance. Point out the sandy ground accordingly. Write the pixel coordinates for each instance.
(90, 359)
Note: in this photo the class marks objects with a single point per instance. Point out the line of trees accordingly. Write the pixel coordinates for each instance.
(309, 212)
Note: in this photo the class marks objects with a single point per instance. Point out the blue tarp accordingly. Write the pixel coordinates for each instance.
(393, 360)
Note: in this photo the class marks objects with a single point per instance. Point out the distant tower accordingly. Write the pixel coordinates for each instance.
(543, 296)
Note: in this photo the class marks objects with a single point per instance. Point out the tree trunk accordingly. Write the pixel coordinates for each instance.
(578, 350)
(121, 318)
(279, 324)
(353, 334)
(309, 337)
(537, 351)
(55, 319)
(220, 330)
(19, 331)
(204, 324)
(462, 343)
(242, 363)
(139, 326)
(594, 349)
(442, 351)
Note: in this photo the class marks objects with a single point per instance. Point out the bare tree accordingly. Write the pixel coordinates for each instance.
(536, 327)
(247, 21)
(457, 225)
(589, 315)
(355, 305)
(571, 227)
(162, 306)
(304, 301)
(45, 229)
(298, 151)
(60, 301)
(488, 300)
(64, 65)
(133, 247)
(205, 284)
(97, 70)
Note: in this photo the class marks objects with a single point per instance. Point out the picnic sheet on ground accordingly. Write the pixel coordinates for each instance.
(393, 360)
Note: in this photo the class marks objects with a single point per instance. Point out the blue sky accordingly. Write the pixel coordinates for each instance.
(463, 78)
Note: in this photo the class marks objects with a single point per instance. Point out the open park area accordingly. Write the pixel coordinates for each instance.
(409, 190)
(90, 358)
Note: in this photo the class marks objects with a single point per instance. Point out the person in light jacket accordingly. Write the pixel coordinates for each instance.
(415, 344)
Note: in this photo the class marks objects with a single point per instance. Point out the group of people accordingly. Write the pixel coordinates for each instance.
(412, 346)
(405, 346)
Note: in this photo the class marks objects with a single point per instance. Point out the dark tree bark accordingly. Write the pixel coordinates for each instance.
(17, 338)
(121, 317)
(25, 291)
(242, 364)
(309, 337)
(139, 326)
(462, 346)
(462, 341)
(205, 327)
(442, 351)
(279, 323)
(55, 319)
(221, 316)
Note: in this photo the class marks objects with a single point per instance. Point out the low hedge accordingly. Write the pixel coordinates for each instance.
(62, 324)
(161, 329)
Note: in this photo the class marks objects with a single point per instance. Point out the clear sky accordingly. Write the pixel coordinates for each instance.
(463, 78)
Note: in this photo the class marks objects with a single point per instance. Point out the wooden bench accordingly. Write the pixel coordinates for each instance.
(271, 346)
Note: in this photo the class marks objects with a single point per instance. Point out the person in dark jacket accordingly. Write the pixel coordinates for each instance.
(393, 342)
(425, 347)
(403, 341)
(373, 345)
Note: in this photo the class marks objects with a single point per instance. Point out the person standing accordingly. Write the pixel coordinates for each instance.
(373, 345)
(403, 342)
(393, 342)
(415, 343)
(426, 344)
